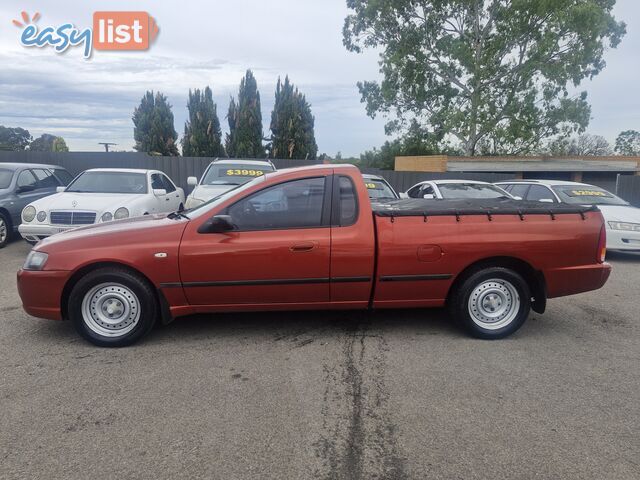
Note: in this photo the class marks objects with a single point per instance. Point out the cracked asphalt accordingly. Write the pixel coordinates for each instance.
(385, 395)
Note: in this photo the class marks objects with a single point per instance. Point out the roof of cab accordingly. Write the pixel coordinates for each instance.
(120, 170)
(236, 161)
(550, 183)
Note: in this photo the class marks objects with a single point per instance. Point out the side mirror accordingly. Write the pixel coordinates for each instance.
(403, 195)
(428, 196)
(546, 200)
(217, 224)
(60, 189)
(192, 181)
(25, 188)
(159, 192)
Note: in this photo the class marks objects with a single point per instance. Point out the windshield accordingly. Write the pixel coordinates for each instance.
(206, 206)
(471, 190)
(378, 189)
(233, 174)
(587, 195)
(5, 178)
(109, 182)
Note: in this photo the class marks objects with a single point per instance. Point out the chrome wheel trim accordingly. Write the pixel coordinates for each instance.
(3, 230)
(111, 309)
(494, 304)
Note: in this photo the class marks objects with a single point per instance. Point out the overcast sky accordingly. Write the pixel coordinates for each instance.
(212, 42)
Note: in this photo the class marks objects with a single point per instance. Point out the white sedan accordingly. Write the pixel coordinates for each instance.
(621, 219)
(100, 195)
(452, 189)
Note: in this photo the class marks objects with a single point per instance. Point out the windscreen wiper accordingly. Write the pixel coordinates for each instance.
(174, 215)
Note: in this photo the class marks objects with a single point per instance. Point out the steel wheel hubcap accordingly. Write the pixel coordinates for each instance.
(3, 230)
(494, 303)
(111, 309)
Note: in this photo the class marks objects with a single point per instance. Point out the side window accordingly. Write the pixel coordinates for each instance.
(415, 192)
(168, 184)
(538, 193)
(348, 202)
(427, 190)
(295, 204)
(26, 179)
(63, 176)
(156, 182)
(519, 190)
(45, 178)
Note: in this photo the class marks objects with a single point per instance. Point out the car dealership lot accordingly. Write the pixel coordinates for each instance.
(399, 394)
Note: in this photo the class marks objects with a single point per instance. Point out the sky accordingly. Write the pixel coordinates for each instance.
(213, 42)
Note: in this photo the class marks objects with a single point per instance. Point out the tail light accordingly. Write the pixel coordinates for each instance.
(602, 245)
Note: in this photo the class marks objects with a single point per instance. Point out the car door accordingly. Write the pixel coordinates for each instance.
(173, 195)
(158, 203)
(279, 253)
(26, 189)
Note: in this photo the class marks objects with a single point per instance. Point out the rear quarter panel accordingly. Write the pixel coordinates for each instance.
(410, 246)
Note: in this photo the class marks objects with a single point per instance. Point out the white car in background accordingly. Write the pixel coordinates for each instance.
(621, 219)
(224, 175)
(455, 189)
(100, 195)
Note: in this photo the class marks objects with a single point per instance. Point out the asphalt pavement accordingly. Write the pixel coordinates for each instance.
(384, 395)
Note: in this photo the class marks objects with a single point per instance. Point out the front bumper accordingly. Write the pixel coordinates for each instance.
(623, 240)
(41, 292)
(36, 232)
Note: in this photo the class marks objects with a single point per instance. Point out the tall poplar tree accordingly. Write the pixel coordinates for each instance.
(244, 139)
(202, 133)
(292, 125)
(153, 128)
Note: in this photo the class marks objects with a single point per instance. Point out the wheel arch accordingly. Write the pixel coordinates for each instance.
(7, 215)
(534, 278)
(163, 305)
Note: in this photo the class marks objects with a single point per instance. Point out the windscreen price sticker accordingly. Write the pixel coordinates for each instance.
(588, 193)
(243, 173)
(373, 186)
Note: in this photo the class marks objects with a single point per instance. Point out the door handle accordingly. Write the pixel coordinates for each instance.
(303, 247)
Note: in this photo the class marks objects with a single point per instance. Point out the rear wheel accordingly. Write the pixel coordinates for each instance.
(112, 307)
(5, 230)
(491, 303)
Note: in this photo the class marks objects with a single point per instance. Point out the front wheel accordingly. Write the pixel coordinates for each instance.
(5, 230)
(491, 303)
(112, 307)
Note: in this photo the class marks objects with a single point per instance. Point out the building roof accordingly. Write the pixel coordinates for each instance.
(534, 164)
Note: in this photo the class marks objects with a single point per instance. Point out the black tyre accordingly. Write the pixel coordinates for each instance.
(5, 230)
(112, 307)
(491, 303)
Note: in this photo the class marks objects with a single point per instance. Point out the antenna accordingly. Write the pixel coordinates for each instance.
(106, 145)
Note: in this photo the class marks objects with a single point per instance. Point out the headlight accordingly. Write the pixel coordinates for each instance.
(625, 226)
(42, 216)
(107, 217)
(35, 261)
(193, 202)
(121, 213)
(28, 214)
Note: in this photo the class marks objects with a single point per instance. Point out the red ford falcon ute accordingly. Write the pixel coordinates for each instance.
(307, 238)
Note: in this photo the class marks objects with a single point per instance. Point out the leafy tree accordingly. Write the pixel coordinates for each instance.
(292, 125)
(628, 143)
(48, 143)
(414, 142)
(202, 133)
(583, 146)
(153, 126)
(14, 138)
(244, 139)
(483, 69)
(59, 145)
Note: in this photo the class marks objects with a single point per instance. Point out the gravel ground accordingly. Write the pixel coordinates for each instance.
(398, 394)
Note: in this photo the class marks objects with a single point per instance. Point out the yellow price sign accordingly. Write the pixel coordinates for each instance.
(241, 172)
(589, 193)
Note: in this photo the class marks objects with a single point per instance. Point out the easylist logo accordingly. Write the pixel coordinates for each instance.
(111, 31)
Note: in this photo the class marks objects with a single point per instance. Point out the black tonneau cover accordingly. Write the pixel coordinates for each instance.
(418, 207)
